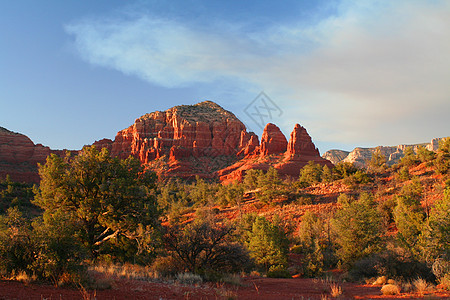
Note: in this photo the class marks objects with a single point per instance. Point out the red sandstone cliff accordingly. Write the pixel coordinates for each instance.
(184, 141)
(275, 151)
(19, 156)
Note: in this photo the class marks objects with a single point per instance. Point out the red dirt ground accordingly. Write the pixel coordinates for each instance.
(252, 288)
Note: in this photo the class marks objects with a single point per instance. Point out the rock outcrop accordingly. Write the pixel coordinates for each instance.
(185, 140)
(19, 157)
(273, 141)
(359, 156)
(275, 151)
(335, 155)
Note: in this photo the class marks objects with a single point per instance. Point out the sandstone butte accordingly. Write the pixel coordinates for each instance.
(184, 141)
(208, 141)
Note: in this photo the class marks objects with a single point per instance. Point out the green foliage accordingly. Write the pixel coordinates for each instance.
(270, 186)
(311, 174)
(327, 175)
(204, 247)
(315, 245)
(409, 216)
(403, 173)
(409, 159)
(231, 194)
(59, 253)
(106, 197)
(343, 169)
(377, 162)
(358, 228)
(17, 247)
(268, 244)
(442, 161)
(252, 178)
(424, 155)
(436, 236)
(14, 194)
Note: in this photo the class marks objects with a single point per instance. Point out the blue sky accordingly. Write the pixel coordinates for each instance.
(354, 73)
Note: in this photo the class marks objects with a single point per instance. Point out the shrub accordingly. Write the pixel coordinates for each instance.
(311, 173)
(204, 246)
(390, 289)
(167, 266)
(278, 271)
(444, 282)
(189, 278)
(389, 264)
(421, 285)
(268, 244)
(17, 245)
(358, 229)
(380, 280)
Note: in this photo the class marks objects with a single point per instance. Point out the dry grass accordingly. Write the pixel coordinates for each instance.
(390, 289)
(444, 282)
(380, 280)
(189, 278)
(128, 271)
(336, 290)
(24, 277)
(421, 285)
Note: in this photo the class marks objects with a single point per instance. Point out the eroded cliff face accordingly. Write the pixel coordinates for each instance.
(208, 141)
(184, 141)
(360, 156)
(287, 157)
(19, 156)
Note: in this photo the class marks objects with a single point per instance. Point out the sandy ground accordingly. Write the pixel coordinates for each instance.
(251, 288)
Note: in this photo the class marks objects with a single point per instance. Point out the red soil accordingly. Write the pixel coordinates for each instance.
(252, 288)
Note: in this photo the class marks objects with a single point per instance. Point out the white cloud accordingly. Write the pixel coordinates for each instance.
(378, 72)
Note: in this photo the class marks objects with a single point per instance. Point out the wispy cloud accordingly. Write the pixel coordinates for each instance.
(377, 72)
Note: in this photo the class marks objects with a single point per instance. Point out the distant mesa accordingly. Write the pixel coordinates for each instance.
(360, 156)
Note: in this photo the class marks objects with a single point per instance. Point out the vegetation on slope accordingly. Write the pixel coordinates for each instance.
(380, 221)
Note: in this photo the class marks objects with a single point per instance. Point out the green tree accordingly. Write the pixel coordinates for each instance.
(311, 173)
(343, 169)
(106, 197)
(327, 175)
(442, 161)
(252, 179)
(270, 186)
(205, 246)
(358, 228)
(436, 240)
(377, 162)
(17, 247)
(268, 244)
(409, 216)
(409, 159)
(315, 242)
(424, 155)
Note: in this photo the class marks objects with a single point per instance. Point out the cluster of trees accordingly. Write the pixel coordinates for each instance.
(94, 207)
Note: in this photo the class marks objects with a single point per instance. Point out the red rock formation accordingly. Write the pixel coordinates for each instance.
(299, 152)
(185, 140)
(300, 143)
(272, 140)
(188, 140)
(273, 152)
(19, 157)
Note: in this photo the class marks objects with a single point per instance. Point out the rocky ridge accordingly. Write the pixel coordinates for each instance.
(359, 156)
(206, 140)
(19, 156)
